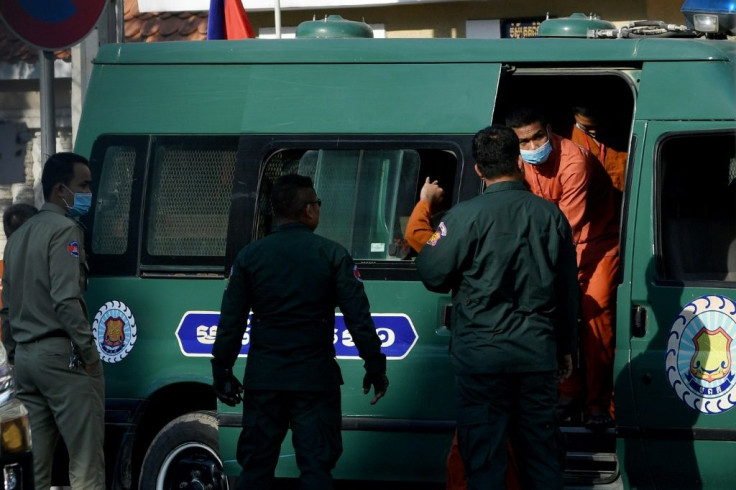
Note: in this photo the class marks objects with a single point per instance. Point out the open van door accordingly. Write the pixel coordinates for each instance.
(676, 356)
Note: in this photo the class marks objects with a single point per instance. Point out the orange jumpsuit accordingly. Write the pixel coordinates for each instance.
(583, 191)
(612, 160)
(418, 232)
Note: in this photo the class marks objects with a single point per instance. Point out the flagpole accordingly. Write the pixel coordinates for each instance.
(277, 17)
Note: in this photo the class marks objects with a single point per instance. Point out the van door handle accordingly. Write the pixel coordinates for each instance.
(446, 322)
(638, 321)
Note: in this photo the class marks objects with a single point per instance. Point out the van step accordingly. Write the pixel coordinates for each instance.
(590, 457)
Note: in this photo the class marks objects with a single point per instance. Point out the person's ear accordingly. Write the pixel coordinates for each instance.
(520, 164)
(478, 172)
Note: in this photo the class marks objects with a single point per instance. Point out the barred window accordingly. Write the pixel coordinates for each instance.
(189, 200)
(112, 210)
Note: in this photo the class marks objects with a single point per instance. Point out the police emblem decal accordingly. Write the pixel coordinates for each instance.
(700, 354)
(114, 331)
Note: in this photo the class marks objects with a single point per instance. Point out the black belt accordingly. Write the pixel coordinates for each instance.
(52, 334)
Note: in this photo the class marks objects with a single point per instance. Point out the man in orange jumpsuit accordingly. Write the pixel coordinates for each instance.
(564, 173)
(587, 132)
(418, 232)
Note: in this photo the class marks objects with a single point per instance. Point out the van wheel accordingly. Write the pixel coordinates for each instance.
(184, 455)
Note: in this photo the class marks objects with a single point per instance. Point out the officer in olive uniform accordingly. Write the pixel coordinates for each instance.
(292, 280)
(509, 260)
(58, 372)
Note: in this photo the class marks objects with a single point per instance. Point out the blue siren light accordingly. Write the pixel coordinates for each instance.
(715, 18)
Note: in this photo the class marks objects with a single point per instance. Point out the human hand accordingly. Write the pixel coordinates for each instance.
(564, 370)
(379, 381)
(94, 368)
(431, 193)
(227, 388)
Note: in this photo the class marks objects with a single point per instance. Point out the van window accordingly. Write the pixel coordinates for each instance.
(112, 210)
(367, 194)
(697, 207)
(190, 183)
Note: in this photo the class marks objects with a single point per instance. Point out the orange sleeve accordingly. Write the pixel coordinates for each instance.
(575, 180)
(418, 229)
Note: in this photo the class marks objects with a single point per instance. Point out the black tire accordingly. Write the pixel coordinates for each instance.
(185, 454)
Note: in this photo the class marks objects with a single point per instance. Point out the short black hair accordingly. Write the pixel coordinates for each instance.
(288, 194)
(16, 215)
(587, 110)
(523, 115)
(59, 168)
(496, 151)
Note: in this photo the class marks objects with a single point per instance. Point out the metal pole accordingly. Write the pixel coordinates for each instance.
(120, 16)
(277, 18)
(48, 123)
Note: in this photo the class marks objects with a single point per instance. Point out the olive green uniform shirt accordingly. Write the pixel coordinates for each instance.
(509, 260)
(44, 282)
(293, 280)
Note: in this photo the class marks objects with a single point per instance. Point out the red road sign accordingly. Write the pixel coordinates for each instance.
(51, 24)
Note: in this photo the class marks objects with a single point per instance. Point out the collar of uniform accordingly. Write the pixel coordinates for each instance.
(291, 225)
(507, 185)
(49, 206)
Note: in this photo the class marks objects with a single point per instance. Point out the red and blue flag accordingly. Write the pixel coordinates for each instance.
(228, 20)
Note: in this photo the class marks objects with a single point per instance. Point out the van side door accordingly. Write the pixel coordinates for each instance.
(676, 356)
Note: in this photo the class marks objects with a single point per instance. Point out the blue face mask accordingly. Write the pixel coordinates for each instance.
(82, 203)
(538, 156)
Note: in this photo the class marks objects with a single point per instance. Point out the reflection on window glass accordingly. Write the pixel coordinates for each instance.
(698, 207)
(192, 178)
(367, 195)
(112, 210)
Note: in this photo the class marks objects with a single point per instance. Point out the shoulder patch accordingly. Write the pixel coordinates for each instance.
(73, 249)
(356, 273)
(438, 234)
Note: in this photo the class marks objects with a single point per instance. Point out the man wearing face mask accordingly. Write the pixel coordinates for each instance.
(58, 372)
(563, 173)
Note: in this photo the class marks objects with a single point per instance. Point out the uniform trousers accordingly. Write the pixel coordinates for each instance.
(521, 406)
(315, 418)
(62, 401)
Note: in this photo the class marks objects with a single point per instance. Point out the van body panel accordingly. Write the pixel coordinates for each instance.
(422, 98)
(411, 51)
(689, 90)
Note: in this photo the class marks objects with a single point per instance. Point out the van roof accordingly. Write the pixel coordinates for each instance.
(305, 51)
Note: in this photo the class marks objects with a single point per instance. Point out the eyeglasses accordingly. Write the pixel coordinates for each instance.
(318, 202)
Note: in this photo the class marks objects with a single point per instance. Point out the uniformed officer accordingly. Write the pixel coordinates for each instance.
(58, 372)
(292, 280)
(508, 258)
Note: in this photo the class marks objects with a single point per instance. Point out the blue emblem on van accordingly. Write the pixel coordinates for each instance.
(197, 329)
(701, 352)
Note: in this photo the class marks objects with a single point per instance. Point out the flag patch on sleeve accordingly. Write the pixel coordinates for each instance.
(437, 235)
(73, 249)
(356, 273)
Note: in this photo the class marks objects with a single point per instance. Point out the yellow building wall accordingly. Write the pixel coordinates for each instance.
(448, 19)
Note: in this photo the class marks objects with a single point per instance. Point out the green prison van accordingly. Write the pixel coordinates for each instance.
(186, 140)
